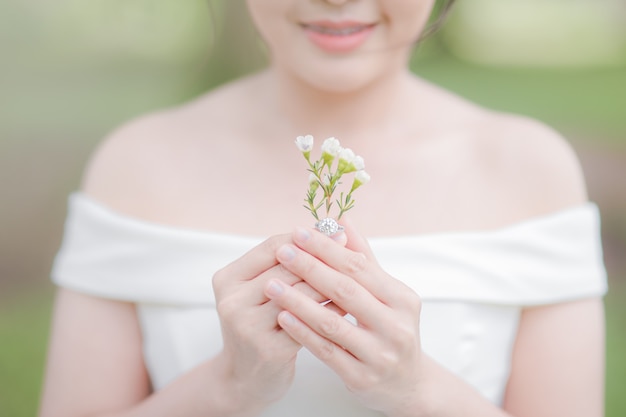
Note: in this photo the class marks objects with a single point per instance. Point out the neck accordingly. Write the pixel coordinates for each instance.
(345, 115)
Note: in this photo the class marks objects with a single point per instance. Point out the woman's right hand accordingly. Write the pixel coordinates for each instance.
(258, 357)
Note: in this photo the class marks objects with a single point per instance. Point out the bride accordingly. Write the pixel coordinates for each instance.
(467, 280)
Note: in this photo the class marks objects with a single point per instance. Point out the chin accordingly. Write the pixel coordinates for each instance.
(333, 83)
(343, 77)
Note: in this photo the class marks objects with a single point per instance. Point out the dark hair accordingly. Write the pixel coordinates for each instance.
(440, 12)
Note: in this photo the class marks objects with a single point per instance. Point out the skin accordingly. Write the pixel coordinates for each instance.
(458, 166)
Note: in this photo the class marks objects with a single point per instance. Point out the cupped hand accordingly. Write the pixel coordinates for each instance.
(379, 358)
(258, 356)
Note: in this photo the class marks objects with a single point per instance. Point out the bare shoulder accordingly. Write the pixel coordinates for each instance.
(510, 167)
(122, 167)
(530, 163)
(143, 163)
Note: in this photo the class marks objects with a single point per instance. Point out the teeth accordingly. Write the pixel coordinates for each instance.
(337, 31)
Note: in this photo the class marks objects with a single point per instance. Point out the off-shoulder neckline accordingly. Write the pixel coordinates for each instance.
(134, 221)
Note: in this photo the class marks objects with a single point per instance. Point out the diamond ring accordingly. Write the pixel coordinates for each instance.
(328, 226)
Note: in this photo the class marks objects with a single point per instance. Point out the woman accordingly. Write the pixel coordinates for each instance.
(172, 302)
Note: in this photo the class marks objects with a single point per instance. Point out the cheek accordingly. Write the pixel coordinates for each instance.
(266, 17)
(408, 18)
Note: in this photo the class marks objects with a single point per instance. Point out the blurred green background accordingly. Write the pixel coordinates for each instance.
(72, 70)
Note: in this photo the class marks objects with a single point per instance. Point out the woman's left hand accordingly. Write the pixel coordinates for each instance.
(379, 359)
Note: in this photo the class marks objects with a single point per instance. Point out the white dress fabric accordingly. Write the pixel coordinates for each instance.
(473, 286)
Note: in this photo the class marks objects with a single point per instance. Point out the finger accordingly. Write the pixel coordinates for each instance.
(333, 355)
(261, 324)
(340, 237)
(356, 241)
(310, 292)
(264, 316)
(258, 319)
(257, 260)
(343, 290)
(323, 322)
(355, 260)
(335, 308)
(316, 296)
(254, 289)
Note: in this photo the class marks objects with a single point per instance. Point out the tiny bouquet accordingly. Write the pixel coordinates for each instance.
(325, 175)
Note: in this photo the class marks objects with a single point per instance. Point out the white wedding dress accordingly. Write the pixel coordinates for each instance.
(473, 286)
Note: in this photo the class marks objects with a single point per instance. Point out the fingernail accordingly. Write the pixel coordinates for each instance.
(302, 235)
(285, 253)
(274, 289)
(286, 318)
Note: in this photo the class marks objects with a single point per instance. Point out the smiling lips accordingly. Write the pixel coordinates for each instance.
(338, 37)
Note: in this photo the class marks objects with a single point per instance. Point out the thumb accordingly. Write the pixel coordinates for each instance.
(355, 240)
(340, 237)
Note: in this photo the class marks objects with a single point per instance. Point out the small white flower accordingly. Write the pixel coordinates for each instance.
(331, 146)
(312, 178)
(346, 154)
(358, 163)
(304, 143)
(330, 149)
(362, 177)
(326, 180)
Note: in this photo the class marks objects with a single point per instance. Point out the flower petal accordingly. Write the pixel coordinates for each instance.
(331, 146)
(362, 177)
(304, 143)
